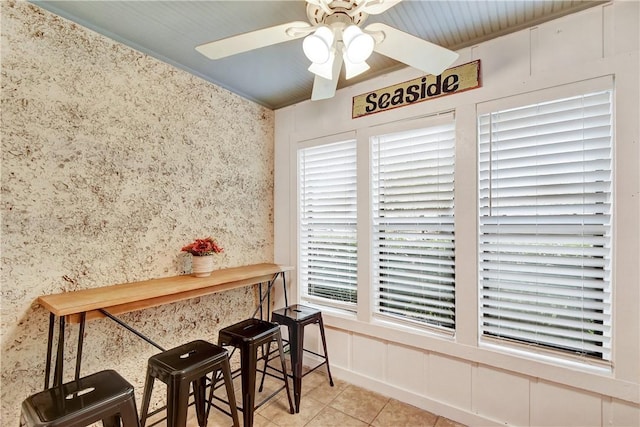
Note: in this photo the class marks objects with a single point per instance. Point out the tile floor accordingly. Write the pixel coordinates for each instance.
(325, 406)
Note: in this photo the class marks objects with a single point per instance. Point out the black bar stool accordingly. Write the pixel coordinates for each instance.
(249, 335)
(186, 365)
(104, 396)
(295, 318)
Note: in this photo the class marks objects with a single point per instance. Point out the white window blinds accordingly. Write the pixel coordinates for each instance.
(545, 224)
(413, 225)
(327, 194)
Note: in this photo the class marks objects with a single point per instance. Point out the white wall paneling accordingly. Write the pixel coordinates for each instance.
(455, 375)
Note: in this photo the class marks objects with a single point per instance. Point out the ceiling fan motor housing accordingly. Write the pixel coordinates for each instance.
(342, 13)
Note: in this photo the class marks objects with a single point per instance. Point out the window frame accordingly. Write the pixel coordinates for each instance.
(346, 308)
(383, 132)
(364, 310)
(595, 85)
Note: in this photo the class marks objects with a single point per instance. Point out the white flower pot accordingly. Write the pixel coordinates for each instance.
(202, 266)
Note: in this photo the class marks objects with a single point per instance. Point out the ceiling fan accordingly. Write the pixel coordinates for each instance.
(333, 37)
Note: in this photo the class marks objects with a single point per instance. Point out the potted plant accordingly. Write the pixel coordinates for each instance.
(202, 251)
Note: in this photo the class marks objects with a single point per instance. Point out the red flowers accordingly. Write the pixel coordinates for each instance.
(201, 247)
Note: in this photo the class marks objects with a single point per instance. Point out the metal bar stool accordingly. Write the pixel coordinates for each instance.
(104, 396)
(295, 318)
(186, 365)
(250, 335)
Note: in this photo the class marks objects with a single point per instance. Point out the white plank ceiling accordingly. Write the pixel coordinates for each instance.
(277, 76)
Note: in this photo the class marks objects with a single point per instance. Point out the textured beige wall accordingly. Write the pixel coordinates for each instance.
(111, 162)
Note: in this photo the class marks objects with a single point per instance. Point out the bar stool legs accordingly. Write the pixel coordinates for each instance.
(185, 366)
(250, 335)
(295, 318)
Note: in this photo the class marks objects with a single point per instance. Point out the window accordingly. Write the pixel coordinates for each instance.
(413, 225)
(545, 224)
(327, 193)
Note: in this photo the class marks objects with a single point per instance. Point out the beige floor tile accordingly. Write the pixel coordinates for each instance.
(216, 419)
(314, 379)
(320, 376)
(396, 413)
(325, 406)
(161, 416)
(445, 422)
(278, 412)
(260, 421)
(330, 417)
(271, 385)
(360, 403)
(323, 392)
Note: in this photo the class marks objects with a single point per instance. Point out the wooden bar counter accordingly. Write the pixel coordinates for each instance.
(108, 301)
(126, 297)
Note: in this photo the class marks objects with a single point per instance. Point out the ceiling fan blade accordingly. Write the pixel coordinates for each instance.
(412, 50)
(325, 88)
(375, 7)
(254, 40)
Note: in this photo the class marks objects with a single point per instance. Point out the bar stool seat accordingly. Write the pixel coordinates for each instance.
(249, 336)
(104, 396)
(181, 367)
(295, 318)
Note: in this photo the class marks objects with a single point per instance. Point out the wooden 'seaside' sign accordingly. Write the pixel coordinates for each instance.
(453, 80)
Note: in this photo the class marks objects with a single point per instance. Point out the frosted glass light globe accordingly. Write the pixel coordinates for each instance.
(317, 46)
(359, 45)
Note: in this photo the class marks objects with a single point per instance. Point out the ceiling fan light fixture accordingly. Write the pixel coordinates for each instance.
(324, 70)
(359, 45)
(352, 69)
(317, 46)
